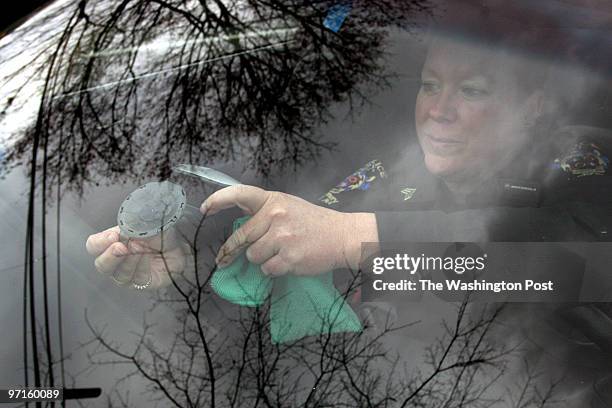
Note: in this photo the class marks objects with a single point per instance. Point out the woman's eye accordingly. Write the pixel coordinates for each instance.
(430, 87)
(472, 92)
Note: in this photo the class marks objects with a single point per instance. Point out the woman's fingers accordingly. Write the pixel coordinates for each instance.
(248, 198)
(262, 249)
(308, 238)
(120, 261)
(139, 263)
(110, 259)
(247, 234)
(98, 243)
(171, 262)
(142, 276)
(132, 267)
(275, 266)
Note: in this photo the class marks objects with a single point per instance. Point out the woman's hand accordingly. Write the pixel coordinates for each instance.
(287, 234)
(143, 264)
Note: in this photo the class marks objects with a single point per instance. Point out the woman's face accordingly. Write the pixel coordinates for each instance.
(470, 120)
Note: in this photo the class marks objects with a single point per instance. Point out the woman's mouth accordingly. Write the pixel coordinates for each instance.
(443, 140)
(443, 145)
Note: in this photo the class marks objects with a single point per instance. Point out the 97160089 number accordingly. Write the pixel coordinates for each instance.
(22, 394)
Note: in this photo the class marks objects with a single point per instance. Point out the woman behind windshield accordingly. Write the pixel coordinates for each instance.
(493, 164)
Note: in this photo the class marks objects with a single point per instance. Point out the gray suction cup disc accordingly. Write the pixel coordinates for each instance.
(151, 209)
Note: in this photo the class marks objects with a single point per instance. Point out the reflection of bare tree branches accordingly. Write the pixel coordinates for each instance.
(530, 393)
(252, 78)
(233, 79)
(204, 365)
(465, 363)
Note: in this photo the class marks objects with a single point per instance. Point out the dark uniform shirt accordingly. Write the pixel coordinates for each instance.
(559, 189)
(564, 193)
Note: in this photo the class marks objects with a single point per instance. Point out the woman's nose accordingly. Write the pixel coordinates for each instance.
(443, 108)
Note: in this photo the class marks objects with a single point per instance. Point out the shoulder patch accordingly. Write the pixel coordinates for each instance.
(584, 159)
(359, 180)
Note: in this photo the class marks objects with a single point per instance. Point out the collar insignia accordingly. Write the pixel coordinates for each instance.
(408, 193)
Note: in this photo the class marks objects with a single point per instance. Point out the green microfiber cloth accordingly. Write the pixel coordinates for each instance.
(300, 305)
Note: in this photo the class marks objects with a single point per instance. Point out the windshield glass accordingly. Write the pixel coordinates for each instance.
(329, 203)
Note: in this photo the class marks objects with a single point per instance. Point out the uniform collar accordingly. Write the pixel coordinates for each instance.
(516, 186)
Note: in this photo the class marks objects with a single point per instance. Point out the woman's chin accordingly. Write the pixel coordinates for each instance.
(444, 167)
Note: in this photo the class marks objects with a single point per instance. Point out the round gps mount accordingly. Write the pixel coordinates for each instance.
(151, 209)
